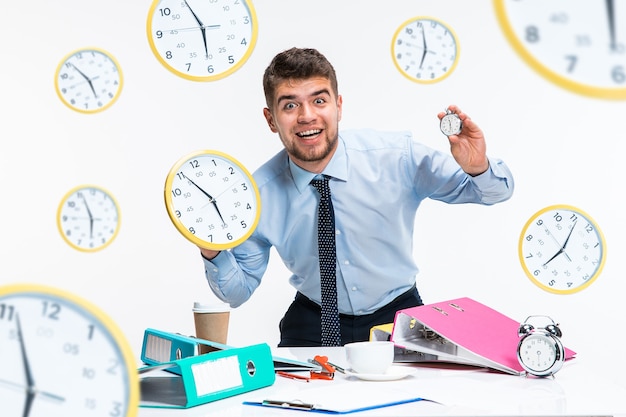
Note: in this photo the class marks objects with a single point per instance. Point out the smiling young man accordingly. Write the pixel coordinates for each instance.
(377, 182)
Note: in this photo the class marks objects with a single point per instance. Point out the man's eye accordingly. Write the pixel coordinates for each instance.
(320, 101)
(290, 106)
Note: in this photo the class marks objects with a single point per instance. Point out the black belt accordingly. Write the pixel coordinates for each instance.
(306, 301)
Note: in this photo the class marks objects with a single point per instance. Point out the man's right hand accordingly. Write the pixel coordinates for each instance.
(209, 254)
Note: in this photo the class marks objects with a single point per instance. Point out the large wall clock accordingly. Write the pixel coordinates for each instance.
(562, 249)
(576, 44)
(88, 218)
(202, 40)
(88, 80)
(62, 356)
(425, 49)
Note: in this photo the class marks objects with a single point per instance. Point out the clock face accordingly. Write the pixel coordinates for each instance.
(540, 354)
(202, 40)
(88, 80)
(212, 200)
(561, 249)
(576, 44)
(451, 124)
(62, 357)
(425, 50)
(88, 218)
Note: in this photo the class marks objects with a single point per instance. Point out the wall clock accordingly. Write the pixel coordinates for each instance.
(88, 218)
(62, 356)
(88, 80)
(202, 40)
(212, 200)
(562, 249)
(575, 44)
(425, 50)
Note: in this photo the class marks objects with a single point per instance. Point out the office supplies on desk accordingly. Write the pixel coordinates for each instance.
(400, 354)
(200, 379)
(161, 346)
(345, 398)
(461, 331)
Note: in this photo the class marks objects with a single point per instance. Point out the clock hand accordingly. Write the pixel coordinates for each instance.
(93, 90)
(610, 14)
(90, 216)
(425, 51)
(30, 382)
(211, 199)
(202, 29)
(562, 249)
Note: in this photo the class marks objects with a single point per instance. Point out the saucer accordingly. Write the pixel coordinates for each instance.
(393, 373)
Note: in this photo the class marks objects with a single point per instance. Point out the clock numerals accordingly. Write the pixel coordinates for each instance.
(561, 249)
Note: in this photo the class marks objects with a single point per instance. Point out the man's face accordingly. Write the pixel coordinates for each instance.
(306, 114)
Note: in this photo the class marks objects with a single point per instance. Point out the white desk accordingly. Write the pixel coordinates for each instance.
(577, 390)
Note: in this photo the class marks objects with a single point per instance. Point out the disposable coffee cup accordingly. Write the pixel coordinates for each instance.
(211, 322)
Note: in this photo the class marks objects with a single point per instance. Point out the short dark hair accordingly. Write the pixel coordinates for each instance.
(297, 64)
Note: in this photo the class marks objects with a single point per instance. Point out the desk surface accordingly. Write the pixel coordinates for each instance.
(576, 390)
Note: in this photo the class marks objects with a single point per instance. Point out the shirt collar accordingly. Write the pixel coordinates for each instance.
(337, 168)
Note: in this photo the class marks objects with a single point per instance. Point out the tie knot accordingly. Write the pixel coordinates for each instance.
(321, 185)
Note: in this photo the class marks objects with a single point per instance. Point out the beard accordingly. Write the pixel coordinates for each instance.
(311, 154)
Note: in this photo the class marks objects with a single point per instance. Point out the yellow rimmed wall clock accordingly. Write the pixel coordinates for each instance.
(62, 356)
(576, 44)
(88, 80)
(562, 249)
(202, 40)
(425, 49)
(212, 199)
(88, 218)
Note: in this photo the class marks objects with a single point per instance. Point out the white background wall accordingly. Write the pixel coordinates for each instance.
(561, 147)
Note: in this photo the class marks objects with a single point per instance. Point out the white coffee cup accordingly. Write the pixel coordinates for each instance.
(373, 357)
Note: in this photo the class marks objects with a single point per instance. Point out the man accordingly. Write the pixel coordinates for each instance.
(377, 181)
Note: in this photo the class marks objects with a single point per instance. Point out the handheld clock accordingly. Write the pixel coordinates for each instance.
(88, 218)
(62, 356)
(202, 40)
(540, 351)
(576, 45)
(562, 249)
(451, 123)
(88, 80)
(425, 50)
(212, 199)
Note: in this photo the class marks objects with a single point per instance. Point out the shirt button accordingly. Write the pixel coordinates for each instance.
(346, 262)
(337, 232)
(354, 288)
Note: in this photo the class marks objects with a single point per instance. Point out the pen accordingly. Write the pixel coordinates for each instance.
(337, 368)
(292, 376)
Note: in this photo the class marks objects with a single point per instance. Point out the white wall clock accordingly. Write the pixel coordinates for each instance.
(62, 356)
(425, 49)
(88, 80)
(88, 218)
(562, 249)
(202, 40)
(575, 44)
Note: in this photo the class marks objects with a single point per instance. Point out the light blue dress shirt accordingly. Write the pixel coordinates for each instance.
(378, 180)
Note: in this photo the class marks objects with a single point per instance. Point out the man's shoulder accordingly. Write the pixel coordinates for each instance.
(273, 168)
